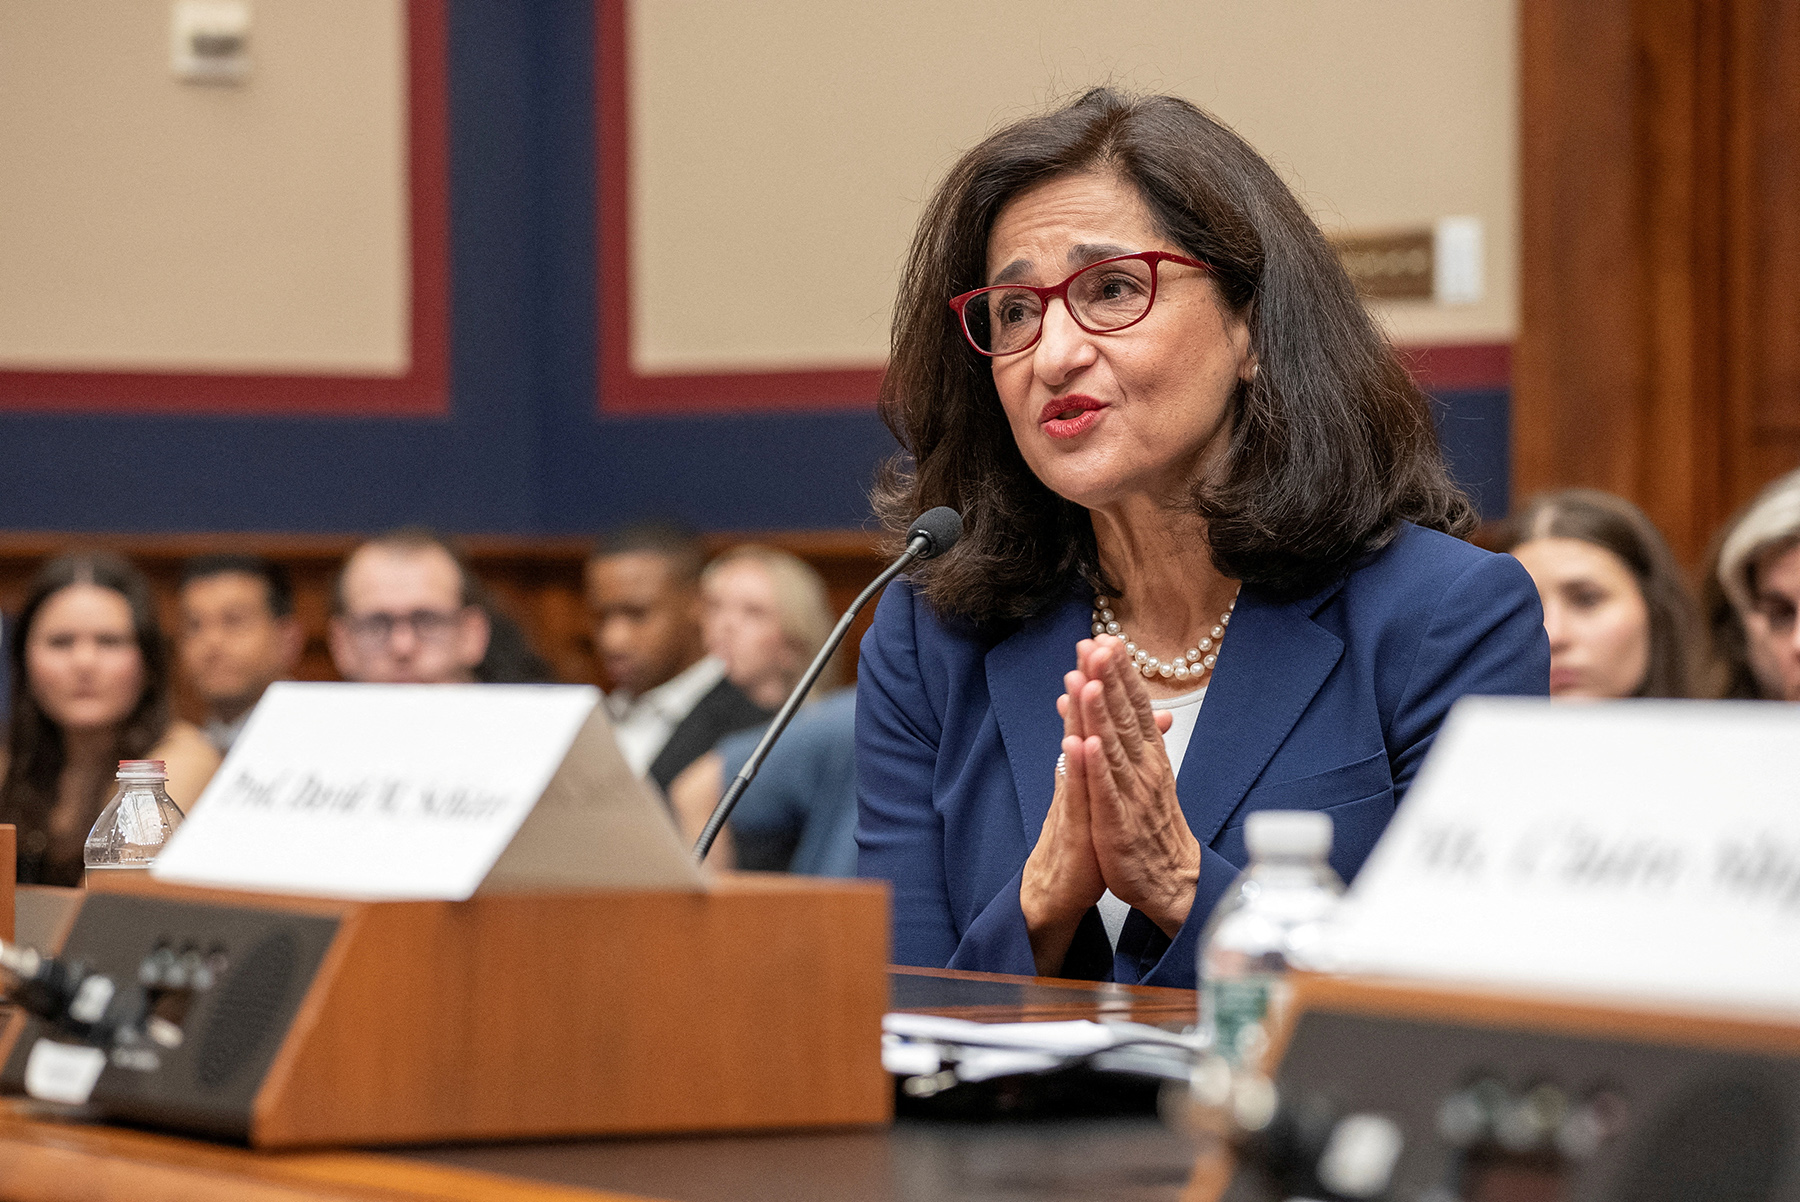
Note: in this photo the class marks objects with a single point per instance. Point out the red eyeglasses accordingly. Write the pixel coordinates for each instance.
(1103, 298)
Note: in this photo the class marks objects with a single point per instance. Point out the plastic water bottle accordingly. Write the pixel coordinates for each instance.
(1273, 917)
(136, 823)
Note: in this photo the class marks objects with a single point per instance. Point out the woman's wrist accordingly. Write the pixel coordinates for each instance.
(1050, 923)
(1043, 908)
(1175, 900)
(1050, 942)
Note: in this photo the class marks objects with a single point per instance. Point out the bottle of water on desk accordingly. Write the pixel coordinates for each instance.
(1271, 918)
(135, 823)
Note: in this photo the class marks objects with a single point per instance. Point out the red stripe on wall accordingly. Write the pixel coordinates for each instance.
(422, 391)
(1471, 365)
(612, 124)
(737, 392)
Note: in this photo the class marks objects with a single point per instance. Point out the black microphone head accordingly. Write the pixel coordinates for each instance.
(940, 528)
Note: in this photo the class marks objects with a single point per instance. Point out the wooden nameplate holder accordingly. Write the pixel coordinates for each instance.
(754, 1004)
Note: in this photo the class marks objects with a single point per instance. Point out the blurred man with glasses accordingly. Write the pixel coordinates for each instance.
(407, 611)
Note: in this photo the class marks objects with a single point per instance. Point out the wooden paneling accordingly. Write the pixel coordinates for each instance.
(1766, 226)
(536, 580)
(1658, 352)
(1760, 404)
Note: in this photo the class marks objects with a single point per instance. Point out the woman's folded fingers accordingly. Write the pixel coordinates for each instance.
(1071, 713)
(1122, 695)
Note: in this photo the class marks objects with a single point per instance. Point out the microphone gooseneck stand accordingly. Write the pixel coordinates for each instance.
(934, 533)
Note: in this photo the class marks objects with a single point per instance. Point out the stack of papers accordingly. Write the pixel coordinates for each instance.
(923, 1045)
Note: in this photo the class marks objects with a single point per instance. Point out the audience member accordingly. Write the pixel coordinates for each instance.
(407, 611)
(1757, 641)
(90, 687)
(766, 615)
(670, 701)
(1620, 620)
(238, 636)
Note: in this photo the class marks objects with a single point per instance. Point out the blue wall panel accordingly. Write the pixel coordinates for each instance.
(1474, 426)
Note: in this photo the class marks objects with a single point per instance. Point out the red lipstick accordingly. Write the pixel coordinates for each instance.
(1067, 417)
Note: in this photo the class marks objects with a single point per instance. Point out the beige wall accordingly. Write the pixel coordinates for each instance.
(784, 148)
(151, 224)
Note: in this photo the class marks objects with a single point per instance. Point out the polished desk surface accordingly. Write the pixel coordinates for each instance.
(1128, 1158)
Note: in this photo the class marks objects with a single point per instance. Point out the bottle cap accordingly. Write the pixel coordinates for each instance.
(1288, 833)
(143, 768)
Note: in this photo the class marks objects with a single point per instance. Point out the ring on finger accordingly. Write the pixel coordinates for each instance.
(1062, 765)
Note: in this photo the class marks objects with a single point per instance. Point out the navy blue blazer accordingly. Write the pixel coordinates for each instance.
(1328, 703)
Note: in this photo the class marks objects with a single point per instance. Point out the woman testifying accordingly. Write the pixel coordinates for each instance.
(1209, 561)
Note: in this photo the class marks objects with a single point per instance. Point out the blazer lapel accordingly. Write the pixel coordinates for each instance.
(1024, 678)
(1272, 662)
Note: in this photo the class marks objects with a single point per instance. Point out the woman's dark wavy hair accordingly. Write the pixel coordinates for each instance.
(1615, 524)
(36, 753)
(1332, 444)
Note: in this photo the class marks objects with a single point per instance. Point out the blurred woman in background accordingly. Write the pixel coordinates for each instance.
(767, 615)
(1620, 620)
(90, 687)
(1753, 592)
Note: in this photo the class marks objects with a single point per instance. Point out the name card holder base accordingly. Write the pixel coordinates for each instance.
(754, 1005)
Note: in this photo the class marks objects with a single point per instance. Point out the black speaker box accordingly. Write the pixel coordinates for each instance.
(1490, 1098)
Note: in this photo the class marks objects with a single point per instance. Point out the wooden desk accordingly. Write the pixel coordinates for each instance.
(992, 998)
(1131, 1159)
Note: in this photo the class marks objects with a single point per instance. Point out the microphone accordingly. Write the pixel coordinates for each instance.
(934, 533)
(940, 529)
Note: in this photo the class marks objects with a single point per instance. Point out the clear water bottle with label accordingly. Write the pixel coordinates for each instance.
(136, 823)
(1272, 918)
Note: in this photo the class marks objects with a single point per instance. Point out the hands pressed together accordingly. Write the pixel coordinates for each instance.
(1114, 822)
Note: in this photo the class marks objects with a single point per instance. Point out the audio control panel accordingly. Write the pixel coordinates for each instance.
(187, 1003)
(1408, 1110)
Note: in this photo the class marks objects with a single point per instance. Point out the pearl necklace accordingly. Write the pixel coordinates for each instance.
(1192, 665)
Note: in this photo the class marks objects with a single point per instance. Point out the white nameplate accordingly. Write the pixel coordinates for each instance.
(426, 791)
(1637, 851)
